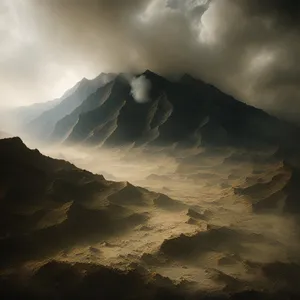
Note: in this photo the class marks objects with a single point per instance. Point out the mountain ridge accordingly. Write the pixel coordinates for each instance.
(42, 126)
(200, 113)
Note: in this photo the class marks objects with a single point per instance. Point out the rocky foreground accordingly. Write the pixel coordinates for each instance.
(69, 234)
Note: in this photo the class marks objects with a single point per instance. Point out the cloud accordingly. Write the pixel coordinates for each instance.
(140, 89)
(248, 48)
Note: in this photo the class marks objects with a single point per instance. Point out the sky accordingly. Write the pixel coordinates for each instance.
(248, 48)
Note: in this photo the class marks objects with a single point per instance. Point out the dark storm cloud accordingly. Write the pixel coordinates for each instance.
(277, 83)
(284, 12)
(248, 48)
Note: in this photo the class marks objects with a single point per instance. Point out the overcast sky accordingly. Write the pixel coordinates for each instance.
(248, 48)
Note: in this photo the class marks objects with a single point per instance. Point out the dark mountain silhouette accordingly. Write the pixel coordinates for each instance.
(186, 113)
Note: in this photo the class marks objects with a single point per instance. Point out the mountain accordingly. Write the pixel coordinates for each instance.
(186, 113)
(43, 125)
(19, 117)
(26, 114)
(48, 204)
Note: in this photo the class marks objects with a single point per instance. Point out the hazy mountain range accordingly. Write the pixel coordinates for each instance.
(43, 124)
(185, 113)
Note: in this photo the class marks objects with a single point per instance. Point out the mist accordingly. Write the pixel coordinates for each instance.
(140, 89)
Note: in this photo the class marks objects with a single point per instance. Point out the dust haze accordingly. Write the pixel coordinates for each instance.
(209, 191)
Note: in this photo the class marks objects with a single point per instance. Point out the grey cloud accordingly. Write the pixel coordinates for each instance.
(248, 48)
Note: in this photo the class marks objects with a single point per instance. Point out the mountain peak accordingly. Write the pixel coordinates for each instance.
(83, 81)
(14, 148)
(158, 82)
(152, 75)
(149, 72)
(112, 117)
(12, 142)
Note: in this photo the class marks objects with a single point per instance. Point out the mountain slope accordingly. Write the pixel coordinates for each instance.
(66, 124)
(21, 116)
(44, 124)
(186, 113)
(47, 204)
(26, 114)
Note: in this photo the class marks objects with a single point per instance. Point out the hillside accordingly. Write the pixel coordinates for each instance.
(43, 125)
(68, 233)
(48, 205)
